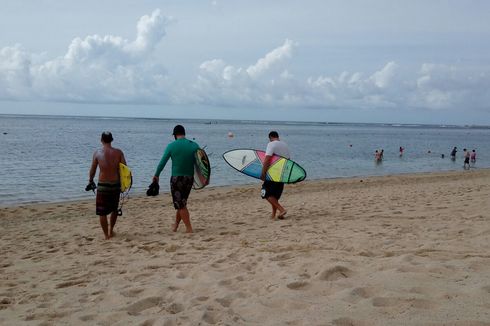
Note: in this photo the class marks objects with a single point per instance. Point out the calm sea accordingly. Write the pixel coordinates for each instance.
(45, 158)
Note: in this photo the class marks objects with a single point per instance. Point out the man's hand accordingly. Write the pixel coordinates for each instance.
(156, 179)
(262, 177)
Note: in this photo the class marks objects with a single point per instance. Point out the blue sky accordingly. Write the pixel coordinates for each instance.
(353, 61)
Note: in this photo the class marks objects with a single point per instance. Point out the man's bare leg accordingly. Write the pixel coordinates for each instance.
(103, 224)
(177, 221)
(184, 215)
(274, 210)
(113, 223)
(275, 204)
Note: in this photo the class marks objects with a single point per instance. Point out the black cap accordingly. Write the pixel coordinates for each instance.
(106, 137)
(273, 134)
(179, 130)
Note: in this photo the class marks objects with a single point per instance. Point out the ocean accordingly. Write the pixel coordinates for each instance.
(47, 158)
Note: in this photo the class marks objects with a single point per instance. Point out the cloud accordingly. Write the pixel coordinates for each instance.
(277, 55)
(94, 69)
(15, 76)
(441, 86)
(113, 69)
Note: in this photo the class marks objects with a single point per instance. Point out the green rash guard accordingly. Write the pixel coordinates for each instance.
(181, 151)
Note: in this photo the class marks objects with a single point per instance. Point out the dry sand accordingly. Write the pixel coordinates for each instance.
(396, 250)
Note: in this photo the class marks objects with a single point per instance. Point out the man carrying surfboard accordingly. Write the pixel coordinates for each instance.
(182, 152)
(107, 159)
(271, 190)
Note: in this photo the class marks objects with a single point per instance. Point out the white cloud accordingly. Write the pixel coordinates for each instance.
(111, 68)
(270, 59)
(94, 69)
(441, 86)
(383, 77)
(15, 77)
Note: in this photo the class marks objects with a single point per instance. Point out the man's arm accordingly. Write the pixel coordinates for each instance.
(93, 168)
(161, 165)
(265, 166)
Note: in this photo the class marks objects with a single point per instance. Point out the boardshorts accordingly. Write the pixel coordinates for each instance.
(272, 189)
(180, 187)
(107, 199)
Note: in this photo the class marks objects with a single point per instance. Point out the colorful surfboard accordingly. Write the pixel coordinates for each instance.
(202, 170)
(250, 162)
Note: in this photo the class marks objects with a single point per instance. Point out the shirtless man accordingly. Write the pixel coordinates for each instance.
(107, 159)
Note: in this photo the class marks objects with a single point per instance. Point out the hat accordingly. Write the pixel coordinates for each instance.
(179, 130)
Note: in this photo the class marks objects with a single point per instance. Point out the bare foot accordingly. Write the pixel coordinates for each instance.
(112, 234)
(175, 227)
(189, 231)
(282, 214)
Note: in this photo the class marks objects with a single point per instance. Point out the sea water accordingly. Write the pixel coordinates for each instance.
(47, 158)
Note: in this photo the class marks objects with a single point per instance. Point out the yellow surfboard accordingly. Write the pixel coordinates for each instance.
(125, 177)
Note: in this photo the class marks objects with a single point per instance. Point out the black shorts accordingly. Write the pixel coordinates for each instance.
(466, 160)
(180, 187)
(272, 189)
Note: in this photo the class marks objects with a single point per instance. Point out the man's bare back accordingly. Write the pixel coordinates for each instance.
(108, 159)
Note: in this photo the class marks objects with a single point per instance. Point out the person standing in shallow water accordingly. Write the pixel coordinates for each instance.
(182, 152)
(473, 156)
(466, 155)
(272, 191)
(453, 153)
(107, 159)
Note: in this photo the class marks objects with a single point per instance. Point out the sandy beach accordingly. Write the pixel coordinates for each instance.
(393, 250)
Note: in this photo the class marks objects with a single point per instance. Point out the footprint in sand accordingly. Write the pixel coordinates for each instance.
(130, 293)
(202, 298)
(346, 321)
(228, 299)
(299, 285)
(335, 273)
(358, 294)
(143, 304)
(148, 322)
(282, 257)
(175, 308)
(391, 302)
(70, 284)
(210, 317)
(87, 317)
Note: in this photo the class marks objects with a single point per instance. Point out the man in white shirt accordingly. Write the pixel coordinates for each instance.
(271, 190)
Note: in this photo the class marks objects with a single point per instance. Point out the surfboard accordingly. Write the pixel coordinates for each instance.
(250, 162)
(202, 169)
(125, 177)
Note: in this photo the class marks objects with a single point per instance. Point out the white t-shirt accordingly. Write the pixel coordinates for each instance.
(277, 147)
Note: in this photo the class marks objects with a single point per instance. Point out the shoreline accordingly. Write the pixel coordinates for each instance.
(256, 184)
(392, 250)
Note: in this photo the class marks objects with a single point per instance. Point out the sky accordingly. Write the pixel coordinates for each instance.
(333, 61)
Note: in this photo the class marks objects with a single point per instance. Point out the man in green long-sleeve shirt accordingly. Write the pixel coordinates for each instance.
(182, 152)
